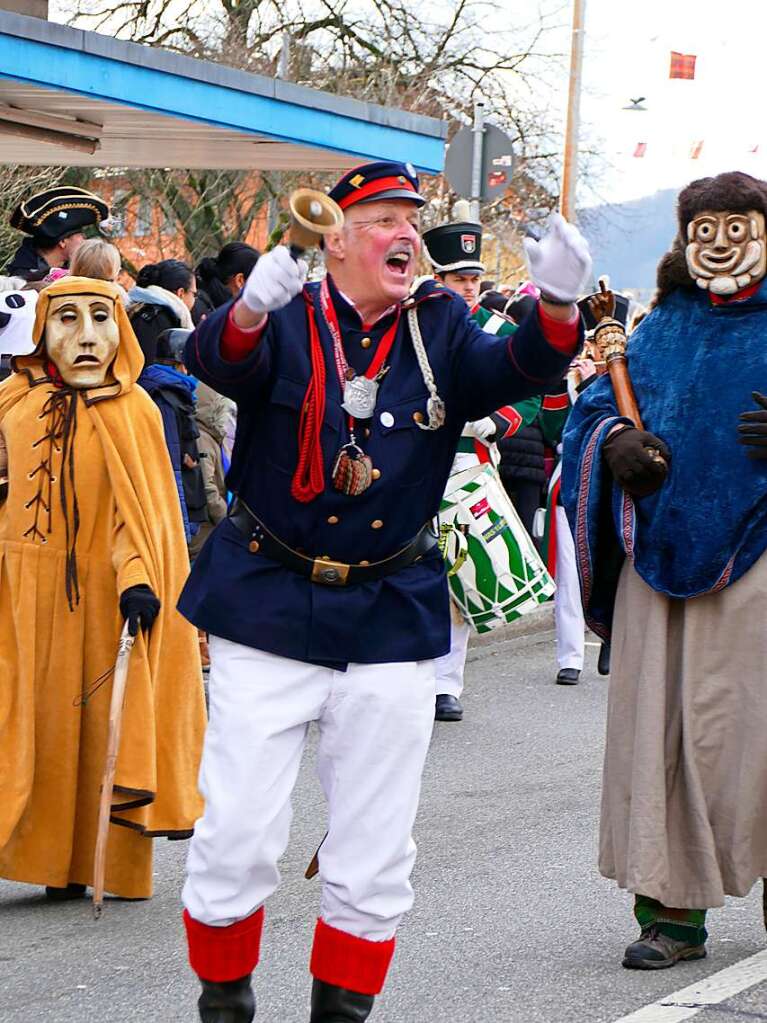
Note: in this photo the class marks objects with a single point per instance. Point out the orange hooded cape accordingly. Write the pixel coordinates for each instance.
(115, 523)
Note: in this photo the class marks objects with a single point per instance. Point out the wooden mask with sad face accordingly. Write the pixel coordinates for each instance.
(82, 337)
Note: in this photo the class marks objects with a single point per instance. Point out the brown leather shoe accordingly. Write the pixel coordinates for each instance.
(656, 951)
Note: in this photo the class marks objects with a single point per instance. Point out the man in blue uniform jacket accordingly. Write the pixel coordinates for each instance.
(323, 591)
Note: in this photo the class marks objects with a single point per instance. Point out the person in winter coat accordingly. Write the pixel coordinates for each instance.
(161, 300)
(173, 391)
(221, 278)
(213, 412)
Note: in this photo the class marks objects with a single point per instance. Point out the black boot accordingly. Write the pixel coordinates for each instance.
(72, 891)
(230, 1001)
(331, 1004)
(603, 664)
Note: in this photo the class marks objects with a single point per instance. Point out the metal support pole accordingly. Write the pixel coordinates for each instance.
(476, 160)
(570, 168)
(283, 65)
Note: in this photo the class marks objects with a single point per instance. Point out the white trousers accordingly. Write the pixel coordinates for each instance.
(450, 666)
(568, 610)
(375, 723)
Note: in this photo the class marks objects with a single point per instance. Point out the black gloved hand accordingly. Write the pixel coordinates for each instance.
(139, 606)
(632, 464)
(753, 428)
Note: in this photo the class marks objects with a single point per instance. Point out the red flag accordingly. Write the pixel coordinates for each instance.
(697, 149)
(641, 149)
(682, 65)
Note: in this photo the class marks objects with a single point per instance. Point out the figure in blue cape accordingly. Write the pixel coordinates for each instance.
(671, 557)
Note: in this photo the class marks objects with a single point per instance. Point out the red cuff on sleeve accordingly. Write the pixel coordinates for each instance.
(236, 342)
(561, 334)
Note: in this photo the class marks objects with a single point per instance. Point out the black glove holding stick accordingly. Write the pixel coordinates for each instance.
(632, 457)
(139, 607)
(753, 428)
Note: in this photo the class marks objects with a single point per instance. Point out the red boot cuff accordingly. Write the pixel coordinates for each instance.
(347, 961)
(224, 953)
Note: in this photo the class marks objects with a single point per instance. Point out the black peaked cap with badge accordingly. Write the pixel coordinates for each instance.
(455, 247)
(56, 213)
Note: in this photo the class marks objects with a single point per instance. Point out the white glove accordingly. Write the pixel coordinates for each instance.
(560, 263)
(482, 429)
(274, 281)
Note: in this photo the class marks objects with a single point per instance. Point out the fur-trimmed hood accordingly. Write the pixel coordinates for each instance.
(733, 191)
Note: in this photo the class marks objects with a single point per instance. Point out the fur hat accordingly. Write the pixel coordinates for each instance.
(733, 191)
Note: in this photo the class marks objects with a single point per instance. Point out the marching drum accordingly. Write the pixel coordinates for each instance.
(495, 573)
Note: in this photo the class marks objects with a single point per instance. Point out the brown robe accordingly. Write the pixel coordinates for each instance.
(53, 712)
(684, 799)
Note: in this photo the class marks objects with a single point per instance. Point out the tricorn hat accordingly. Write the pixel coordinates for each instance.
(56, 213)
(455, 248)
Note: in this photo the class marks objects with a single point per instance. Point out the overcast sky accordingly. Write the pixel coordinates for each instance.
(627, 50)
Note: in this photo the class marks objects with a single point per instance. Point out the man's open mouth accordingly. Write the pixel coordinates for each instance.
(398, 262)
(86, 360)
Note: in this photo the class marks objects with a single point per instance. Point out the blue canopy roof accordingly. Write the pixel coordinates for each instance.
(85, 99)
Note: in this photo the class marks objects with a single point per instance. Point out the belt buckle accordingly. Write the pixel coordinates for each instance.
(329, 573)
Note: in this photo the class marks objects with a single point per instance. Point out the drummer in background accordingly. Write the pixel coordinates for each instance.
(454, 250)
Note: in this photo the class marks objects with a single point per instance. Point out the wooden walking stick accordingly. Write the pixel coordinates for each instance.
(108, 778)
(610, 339)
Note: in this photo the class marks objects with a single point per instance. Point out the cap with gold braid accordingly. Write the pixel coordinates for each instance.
(55, 213)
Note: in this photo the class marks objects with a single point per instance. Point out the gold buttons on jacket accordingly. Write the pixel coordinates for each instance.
(253, 546)
(332, 520)
(376, 524)
(366, 342)
(376, 474)
(418, 417)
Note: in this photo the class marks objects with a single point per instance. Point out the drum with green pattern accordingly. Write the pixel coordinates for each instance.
(502, 576)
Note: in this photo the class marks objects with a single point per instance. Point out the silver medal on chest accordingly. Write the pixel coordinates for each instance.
(360, 395)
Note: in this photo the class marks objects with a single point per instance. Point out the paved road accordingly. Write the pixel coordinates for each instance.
(512, 921)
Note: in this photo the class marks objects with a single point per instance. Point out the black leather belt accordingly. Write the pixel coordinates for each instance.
(323, 570)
